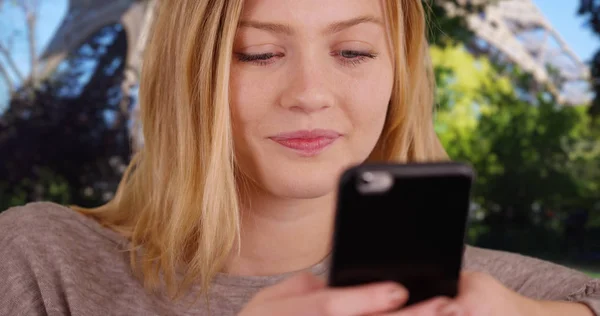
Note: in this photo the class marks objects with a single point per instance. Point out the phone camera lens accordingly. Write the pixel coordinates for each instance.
(368, 177)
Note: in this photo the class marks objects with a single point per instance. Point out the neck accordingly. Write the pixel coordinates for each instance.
(282, 235)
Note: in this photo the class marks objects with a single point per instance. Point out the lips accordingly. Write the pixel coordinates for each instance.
(307, 143)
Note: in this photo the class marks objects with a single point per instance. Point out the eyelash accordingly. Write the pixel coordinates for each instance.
(259, 59)
(267, 58)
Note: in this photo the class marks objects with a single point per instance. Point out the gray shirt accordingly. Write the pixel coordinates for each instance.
(54, 261)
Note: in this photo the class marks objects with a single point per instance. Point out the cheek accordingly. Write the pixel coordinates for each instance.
(248, 100)
(251, 104)
(252, 99)
(245, 109)
(368, 100)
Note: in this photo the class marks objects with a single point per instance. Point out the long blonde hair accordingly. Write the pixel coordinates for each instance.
(178, 202)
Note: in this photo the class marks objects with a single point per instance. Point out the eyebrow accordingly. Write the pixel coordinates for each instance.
(331, 29)
(342, 25)
(269, 27)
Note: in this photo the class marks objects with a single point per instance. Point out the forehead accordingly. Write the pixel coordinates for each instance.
(311, 13)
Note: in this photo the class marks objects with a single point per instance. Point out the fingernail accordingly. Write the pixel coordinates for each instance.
(451, 309)
(396, 294)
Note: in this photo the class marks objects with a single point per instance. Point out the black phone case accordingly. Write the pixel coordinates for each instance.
(419, 244)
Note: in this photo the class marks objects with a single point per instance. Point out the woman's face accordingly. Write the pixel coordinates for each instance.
(310, 85)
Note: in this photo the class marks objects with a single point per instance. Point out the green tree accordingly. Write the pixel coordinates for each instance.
(67, 139)
(535, 160)
(460, 78)
(447, 22)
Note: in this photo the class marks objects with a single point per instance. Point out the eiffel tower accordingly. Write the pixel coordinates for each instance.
(85, 17)
(513, 30)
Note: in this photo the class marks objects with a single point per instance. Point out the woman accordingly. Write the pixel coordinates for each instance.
(250, 111)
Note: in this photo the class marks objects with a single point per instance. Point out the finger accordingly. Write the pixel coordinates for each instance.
(439, 306)
(358, 300)
(300, 284)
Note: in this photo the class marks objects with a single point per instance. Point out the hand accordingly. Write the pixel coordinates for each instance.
(306, 295)
(480, 294)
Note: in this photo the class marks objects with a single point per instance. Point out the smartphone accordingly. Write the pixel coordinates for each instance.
(403, 223)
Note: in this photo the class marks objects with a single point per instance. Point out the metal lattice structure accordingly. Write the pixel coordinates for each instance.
(513, 29)
(86, 17)
(518, 32)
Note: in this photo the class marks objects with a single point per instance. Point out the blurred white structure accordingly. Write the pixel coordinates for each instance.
(84, 18)
(515, 30)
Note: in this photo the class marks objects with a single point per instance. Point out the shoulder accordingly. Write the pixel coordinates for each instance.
(56, 258)
(32, 221)
(33, 215)
(528, 275)
(38, 220)
(35, 240)
(487, 259)
(476, 257)
(504, 263)
(46, 224)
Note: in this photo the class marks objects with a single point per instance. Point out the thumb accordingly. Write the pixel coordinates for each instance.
(302, 283)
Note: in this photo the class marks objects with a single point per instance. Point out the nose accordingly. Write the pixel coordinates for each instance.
(308, 87)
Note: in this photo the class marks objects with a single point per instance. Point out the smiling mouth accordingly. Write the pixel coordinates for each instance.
(307, 143)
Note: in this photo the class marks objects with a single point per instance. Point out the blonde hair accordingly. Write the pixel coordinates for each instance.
(178, 202)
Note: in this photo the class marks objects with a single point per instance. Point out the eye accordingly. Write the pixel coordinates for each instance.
(262, 59)
(352, 57)
(350, 54)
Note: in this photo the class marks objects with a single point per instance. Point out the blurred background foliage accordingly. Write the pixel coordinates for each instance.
(65, 137)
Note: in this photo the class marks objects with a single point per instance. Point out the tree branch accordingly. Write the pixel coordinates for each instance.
(11, 62)
(31, 31)
(4, 74)
(30, 12)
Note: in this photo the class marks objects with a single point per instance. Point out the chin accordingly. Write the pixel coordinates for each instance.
(280, 172)
(309, 189)
(303, 180)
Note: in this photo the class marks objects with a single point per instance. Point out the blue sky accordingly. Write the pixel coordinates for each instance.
(560, 13)
(51, 14)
